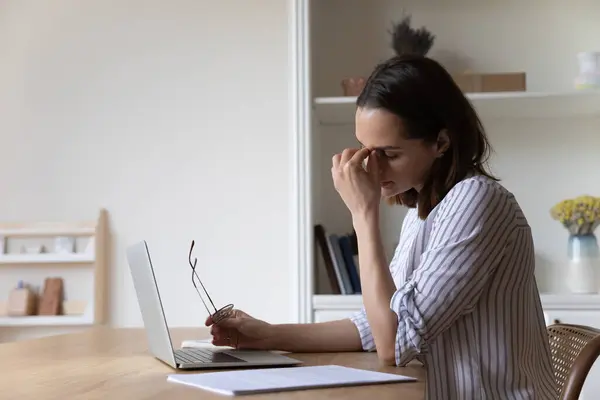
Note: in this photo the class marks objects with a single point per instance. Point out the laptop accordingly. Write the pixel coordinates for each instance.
(159, 338)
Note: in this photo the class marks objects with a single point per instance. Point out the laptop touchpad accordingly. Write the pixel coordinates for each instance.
(205, 356)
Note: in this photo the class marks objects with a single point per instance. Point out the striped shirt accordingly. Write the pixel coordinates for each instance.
(467, 301)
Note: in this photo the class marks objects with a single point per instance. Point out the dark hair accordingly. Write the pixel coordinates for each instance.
(427, 100)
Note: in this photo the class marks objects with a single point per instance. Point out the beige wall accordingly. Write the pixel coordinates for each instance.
(173, 115)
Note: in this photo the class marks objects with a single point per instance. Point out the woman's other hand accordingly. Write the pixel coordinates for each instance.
(241, 331)
(358, 187)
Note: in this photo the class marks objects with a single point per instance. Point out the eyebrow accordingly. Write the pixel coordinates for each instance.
(387, 148)
(383, 148)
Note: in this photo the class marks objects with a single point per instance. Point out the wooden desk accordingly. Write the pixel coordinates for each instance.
(105, 363)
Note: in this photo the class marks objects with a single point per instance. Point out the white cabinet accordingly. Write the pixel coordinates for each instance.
(332, 307)
(332, 315)
(572, 309)
(577, 310)
(576, 317)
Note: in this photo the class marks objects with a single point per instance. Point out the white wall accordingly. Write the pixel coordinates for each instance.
(173, 115)
(540, 37)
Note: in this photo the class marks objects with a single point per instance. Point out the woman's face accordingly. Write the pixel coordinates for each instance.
(403, 162)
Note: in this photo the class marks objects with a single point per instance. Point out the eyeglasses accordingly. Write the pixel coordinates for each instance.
(217, 315)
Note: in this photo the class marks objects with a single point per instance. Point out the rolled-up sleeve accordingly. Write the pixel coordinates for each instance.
(364, 330)
(467, 239)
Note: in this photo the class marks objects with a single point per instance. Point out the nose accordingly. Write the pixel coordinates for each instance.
(382, 170)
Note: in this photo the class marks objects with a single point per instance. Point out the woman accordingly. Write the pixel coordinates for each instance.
(460, 293)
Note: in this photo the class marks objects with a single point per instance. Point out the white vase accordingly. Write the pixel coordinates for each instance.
(584, 264)
(582, 277)
(589, 70)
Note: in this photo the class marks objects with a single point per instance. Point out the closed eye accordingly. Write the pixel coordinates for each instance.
(387, 154)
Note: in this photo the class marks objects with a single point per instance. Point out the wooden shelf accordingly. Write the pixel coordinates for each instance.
(46, 258)
(577, 103)
(42, 320)
(47, 229)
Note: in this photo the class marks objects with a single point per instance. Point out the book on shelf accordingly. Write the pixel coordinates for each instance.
(339, 256)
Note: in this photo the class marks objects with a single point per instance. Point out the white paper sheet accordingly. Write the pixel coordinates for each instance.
(237, 382)
(202, 344)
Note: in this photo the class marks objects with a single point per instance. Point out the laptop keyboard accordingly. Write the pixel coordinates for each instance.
(203, 356)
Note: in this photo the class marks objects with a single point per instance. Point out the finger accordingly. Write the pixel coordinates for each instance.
(228, 337)
(240, 314)
(234, 339)
(373, 165)
(334, 172)
(216, 330)
(360, 156)
(336, 160)
(221, 341)
(220, 334)
(208, 321)
(230, 323)
(347, 155)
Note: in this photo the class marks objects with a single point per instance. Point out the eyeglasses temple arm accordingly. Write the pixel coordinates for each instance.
(194, 273)
(203, 302)
(203, 288)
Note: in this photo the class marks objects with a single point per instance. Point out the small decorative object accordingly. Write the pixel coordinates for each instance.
(33, 249)
(589, 70)
(353, 86)
(74, 307)
(471, 82)
(52, 297)
(404, 40)
(21, 301)
(581, 216)
(407, 40)
(63, 244)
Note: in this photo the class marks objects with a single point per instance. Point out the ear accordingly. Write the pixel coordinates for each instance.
(443, 142)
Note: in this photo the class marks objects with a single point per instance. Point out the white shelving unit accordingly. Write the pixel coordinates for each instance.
(46, 258)
(41, 321)
(522, 126)
(83, 272)
(532, 132)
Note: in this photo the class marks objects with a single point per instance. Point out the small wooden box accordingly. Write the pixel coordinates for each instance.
(74, 307)
(353, 86)
(21, 302)
(489, 83)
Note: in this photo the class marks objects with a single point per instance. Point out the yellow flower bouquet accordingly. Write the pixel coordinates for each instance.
(581, 216)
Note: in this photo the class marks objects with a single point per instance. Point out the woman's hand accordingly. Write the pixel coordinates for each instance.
(241, 331)
(359, 188)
